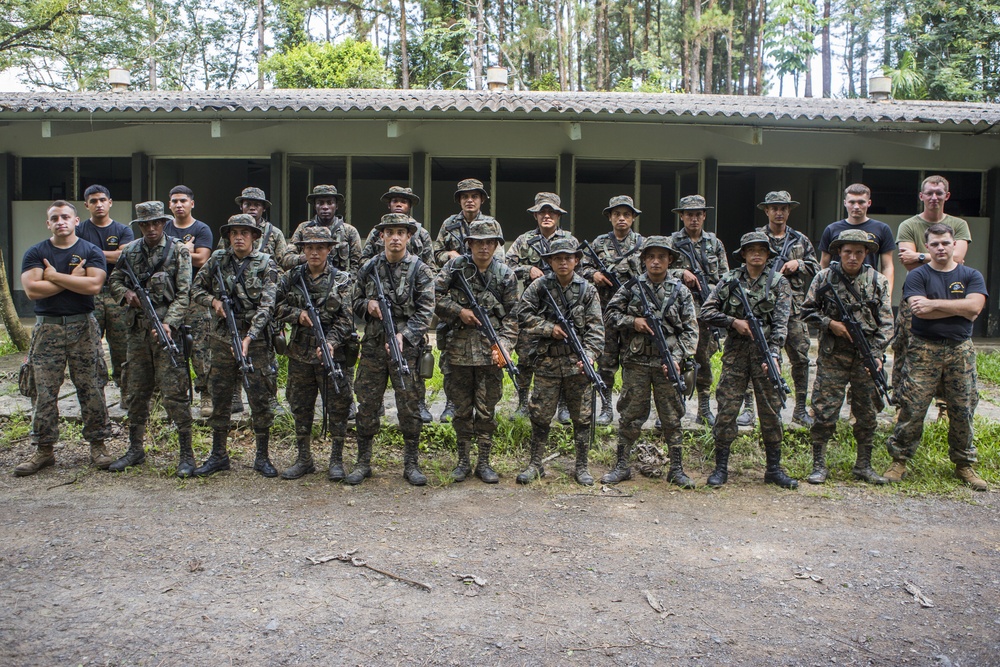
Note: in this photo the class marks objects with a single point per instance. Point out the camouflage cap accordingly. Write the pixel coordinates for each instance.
(778, 197)
(692, 203)
(253, 194)
(397, 220)
(751, 238)
(325, 191)
(485, 230)
(400, 192)
(858, 236)
(564, 245)
(659, 242)
(621, 200)
(471, 185)
(150, 211)
(316, 234)
(240, 220)
(547, 199)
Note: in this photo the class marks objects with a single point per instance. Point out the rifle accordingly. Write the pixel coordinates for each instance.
(782, 258)
(601, 266)
(333, 370)
(757, 334)
(660, 338)
(244, 362)
(165, 341)
(703, 289)
(573, 340)
(486, 327)
(389, 327)
(860, 342)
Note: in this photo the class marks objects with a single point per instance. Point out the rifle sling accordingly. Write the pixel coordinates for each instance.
(857, 297)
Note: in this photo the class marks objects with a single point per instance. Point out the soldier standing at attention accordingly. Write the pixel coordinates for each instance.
(346, 253)
(643, 371)
(329, 290)
(701, 256)
(770, 299)
(196, 236)
(527, 258)
(250, 279)
(867, 294)
(619, 250)
(408, 285)
(163, 266)
(945, 298)
(62, 274)
(110, 236)
(558, 371)
(450, 243)
(476, 377)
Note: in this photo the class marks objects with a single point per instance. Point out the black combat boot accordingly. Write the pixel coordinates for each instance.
(237, 404)
(449, 411)
(336, 471)
(218, 460)
(185, 466)
(623, 469)
(800, 415)
(135, 455)
(748, 415)
(522, 402)
(562, 411)
(863, 467)
(607, 413)
(676, 473)
(425, 414)
(262, 462)
(774, 474)
(720, 475)
(464, 468)
(534, 470)
(363, 467)
(304, 461)
(483, 469)
(581, 473)
(705, 415)
(819, 472)
(411, 468)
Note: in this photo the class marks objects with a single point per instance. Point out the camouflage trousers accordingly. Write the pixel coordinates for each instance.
(53, 348)
(199, 319)
(900, 342)
(149, 367)
(639, 384)
(375, 371)
(741, 366)
(834, 370)
(577, 393)
(475, 390)
(305, 382)
(608, 361)
(703, 357)
(797, 349)
(224, 377)
(110, 318)
(953, 364)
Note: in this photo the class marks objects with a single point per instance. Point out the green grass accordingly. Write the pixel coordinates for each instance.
(988, 365)
(6, 345)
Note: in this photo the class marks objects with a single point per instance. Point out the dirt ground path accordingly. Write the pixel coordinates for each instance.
(145, 570)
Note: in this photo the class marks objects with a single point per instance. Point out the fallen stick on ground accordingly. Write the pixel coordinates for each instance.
(348, 557)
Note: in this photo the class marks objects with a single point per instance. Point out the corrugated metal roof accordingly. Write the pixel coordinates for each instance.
(637, 106)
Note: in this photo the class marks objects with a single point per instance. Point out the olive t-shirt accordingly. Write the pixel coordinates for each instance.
(912, 230)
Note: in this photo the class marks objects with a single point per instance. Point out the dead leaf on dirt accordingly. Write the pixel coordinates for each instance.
(922, 599)
(471, 579)
(805, 575)
(195, 565)
(653, 602)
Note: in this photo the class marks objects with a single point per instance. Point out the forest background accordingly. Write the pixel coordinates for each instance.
(931, 49)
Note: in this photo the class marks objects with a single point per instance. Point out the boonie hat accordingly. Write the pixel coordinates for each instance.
(399, 192)
(316, 234)
(397, 220)
(621, 200)
(252, 194)
(854, 236)
(325, 191)
(564, 245)
(241, 220)
(485, 230)
(150, 211)
(659, 242)
(692, 203)
(471, 185)
(549, 199)
(777, 197)
(751, 238)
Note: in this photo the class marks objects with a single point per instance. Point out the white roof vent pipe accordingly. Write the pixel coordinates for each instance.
(119, 79)
(496, 78)
(880, 88)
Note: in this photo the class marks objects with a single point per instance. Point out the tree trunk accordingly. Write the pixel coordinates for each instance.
(827, 52)
(863, 65)
(152, 44)
(695, 63)
(18, 334)
(403, 56)
(759, 75)
(260, 43)
(600, 34)
(710, 56)
(561, 48)
(729, 61)
(809, 59)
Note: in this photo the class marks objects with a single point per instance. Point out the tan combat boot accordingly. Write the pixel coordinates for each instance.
(970, 478)
(896, 472)
(206, 408)
(42, 458)
(99, 456)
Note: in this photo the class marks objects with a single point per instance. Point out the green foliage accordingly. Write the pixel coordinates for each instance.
(908, 82)
(988, 365)
(547, 81)
(348, 64)
(789, 38)
(438, 53)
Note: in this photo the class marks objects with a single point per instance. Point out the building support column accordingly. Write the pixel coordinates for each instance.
(990, 324)
(140, 178)
(564, 185)
(711, 194)
(855, 173)
(277, 190)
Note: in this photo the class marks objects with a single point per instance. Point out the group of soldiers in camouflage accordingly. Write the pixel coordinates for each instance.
(655, 306)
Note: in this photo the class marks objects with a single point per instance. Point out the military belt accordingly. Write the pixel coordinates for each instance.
(560, 350)
(944, 342)
(66, 319)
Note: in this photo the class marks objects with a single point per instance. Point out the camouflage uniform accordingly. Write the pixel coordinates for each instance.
(420, 245)
(164, 270)
(408, 285)
(476, 382)
(642, 368)
(741, 362)
(271, 243)
(253, 298)
(346, 253)
(839, 362)
(555, 364)
(331, 297)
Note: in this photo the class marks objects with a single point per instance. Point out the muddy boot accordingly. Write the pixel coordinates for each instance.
(99, 456)
(863, 467)
(464, 468)
(425, 414)
(335, 473)
(623, 468)
(449, 411)
(135, 455)
(748, 416)
(237, 404)
(352, 411)
(206, 409)
(483, 469)
(676, 473)
(42, 458)
(820, 472)
(607, 414)
(705, 415)
(896, 472)
(964, 472)
(185, 464)
(363, 467)
(562, 412)
(581, 473)
(774, 474)
(800, 415)
(411, 468)
(522, 402)
(720, 475)
(534, 470)
(262, 462)
(304, 461)
(218, 460)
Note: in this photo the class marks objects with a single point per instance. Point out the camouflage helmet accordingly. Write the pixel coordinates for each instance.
(316, 234)
(565, 245)
(471, 185)
(485, 230)
(399, 192)
(621, 200)
(325, 191)
(692, 203)
(150, 211)
(253, 194)
(241, 220)
(859, 236)
(659, 242)
(777, 198)
(751, 238)
(397, 220)
(547, 199)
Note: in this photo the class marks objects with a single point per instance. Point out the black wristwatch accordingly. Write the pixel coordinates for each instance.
(921, 258)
